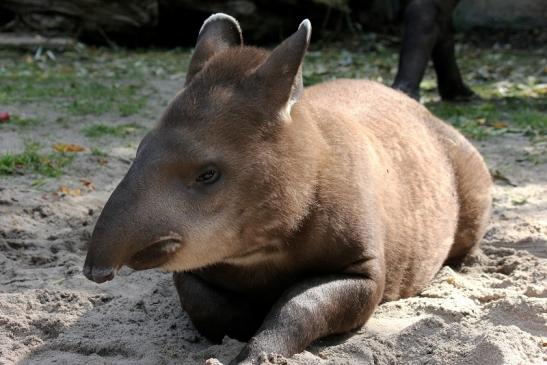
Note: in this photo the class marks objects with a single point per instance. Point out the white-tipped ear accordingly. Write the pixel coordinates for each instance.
(306, 24)
(221, 17)
(281, 73)
(218, 32)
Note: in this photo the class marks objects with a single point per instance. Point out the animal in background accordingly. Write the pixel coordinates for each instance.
(428, 34)
(288, 213)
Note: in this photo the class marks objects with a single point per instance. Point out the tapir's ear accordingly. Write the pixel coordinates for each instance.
(281, 73)
(219, 32)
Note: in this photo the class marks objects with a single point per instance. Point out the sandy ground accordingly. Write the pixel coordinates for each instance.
(493, 311)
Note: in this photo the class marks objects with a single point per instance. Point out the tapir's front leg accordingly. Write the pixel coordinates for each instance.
(313, 309)
(216, 312)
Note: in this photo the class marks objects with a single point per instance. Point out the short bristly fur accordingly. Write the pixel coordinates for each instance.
(326, 201)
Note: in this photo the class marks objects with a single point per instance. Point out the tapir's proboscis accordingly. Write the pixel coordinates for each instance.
(288, 213)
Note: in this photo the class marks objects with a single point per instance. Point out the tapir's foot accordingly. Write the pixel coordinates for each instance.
(413, 92)
(215, 312)
(460, 93)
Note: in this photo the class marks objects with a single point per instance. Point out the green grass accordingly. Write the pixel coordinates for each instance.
(512, 85)
(511, 82)
(32, 161)
(75, 95)
(334, 61)
(101, 130)
(90, 81)
(494, 116)
(97, 152)
(22, 121)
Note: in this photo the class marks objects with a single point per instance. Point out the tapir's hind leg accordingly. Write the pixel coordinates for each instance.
(473, 184)
(474, 190)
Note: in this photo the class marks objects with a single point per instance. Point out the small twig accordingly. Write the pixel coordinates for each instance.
(111, 43)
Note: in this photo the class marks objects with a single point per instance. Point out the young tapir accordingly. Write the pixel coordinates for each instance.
(288, 214)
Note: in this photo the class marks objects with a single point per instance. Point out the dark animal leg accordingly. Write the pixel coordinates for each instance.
(421, 32)
(215, 312)
(310, 310)
(449, 80)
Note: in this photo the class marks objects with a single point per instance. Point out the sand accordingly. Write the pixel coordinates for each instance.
(492, 311)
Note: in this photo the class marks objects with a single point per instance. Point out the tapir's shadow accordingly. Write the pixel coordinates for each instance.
(135, 319)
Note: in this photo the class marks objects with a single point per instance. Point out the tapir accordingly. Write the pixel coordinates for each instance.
(428, 33)
(288, 213)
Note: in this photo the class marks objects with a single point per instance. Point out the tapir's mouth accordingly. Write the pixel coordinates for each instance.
(155, 254)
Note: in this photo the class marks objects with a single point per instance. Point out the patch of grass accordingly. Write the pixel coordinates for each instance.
(476, 121)
(97, 152)
(75, 95)
(97, 81)
(476, 128)
(100, 130)
(32, 161)
(534, 119)
(535, 157)
(21, 121)
(88, 81)
(333, 61)
(100, 98)
(495, 116)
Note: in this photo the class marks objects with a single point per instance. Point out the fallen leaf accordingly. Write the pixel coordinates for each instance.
(541, 88)
(519, 201)
(88, 184)
(62, 147)
(128, 130)
(499, 125)
(65, 190)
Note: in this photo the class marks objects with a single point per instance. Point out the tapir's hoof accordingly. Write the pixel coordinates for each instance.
(461, 95)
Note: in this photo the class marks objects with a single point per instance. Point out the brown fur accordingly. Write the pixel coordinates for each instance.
(355, 195)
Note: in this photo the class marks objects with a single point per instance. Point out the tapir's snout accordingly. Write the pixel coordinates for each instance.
(132, 230)
(104, 257)
(110, 244)
(98, 274)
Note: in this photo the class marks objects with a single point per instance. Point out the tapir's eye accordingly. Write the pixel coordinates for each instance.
(209, 176)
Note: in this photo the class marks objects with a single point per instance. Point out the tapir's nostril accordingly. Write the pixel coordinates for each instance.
(98, 274)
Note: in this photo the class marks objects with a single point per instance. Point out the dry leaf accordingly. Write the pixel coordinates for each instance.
(65, 190)
(87, 184)
(499, 125)
(541, 88)
(62, 147)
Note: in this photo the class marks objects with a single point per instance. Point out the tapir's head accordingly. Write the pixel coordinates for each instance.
(227, 171)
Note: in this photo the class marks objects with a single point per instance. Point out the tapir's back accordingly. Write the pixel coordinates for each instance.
(409, 158)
